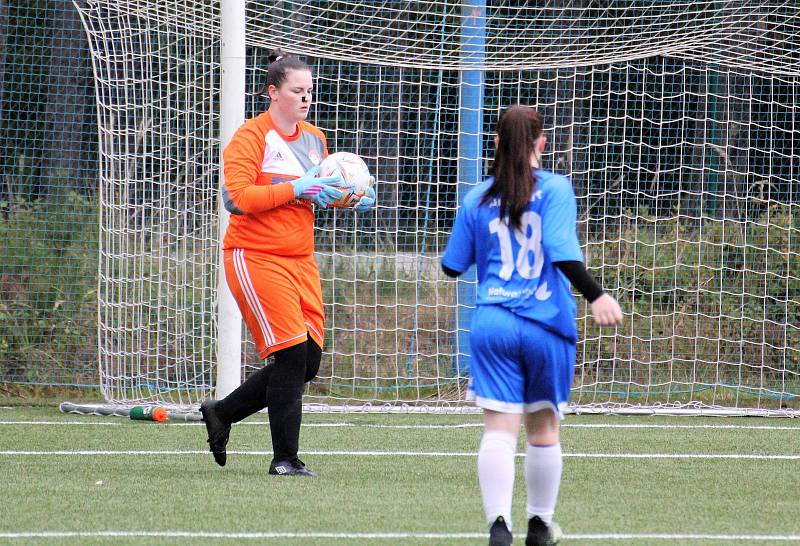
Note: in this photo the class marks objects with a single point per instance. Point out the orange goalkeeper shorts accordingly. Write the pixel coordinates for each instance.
(280, 297)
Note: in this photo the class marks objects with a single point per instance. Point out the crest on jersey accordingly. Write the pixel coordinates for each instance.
(314, 156)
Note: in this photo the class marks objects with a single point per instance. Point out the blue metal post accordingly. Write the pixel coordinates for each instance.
(470, 171)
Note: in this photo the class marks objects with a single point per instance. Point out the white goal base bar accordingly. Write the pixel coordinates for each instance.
(184, 413)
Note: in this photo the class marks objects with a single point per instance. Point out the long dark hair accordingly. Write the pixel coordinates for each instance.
(279, 64)
(517, 130)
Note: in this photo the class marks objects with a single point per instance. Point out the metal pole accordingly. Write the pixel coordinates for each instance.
(470, 172)
(232, 85)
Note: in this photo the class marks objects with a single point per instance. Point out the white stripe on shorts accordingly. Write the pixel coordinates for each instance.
(240, 265)
(513, 407)
(311, 327)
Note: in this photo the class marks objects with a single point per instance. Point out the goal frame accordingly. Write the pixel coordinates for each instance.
(230, 334)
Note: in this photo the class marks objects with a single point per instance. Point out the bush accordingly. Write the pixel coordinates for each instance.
(48, 290)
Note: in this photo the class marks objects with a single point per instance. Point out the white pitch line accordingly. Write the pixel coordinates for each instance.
(77, 423)
(683, 427)
(681, 537)
(426, 427)
(744, 456)
(383, 536)
(254, 423)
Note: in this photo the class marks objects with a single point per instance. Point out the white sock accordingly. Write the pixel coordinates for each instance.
(543, 477)
(496, 474)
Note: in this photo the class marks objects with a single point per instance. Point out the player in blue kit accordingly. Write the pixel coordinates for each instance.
(519, 228)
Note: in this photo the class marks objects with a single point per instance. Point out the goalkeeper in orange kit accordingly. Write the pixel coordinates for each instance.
(271, 188)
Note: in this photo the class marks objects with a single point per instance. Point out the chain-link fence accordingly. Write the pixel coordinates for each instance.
(48, 212)
(645, 141)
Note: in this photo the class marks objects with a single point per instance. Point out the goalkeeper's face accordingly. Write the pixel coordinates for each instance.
(293, 97)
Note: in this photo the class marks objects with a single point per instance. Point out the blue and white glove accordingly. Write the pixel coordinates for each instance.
(318, 190)
(366, 202)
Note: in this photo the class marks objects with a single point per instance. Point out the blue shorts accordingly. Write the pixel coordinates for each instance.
(517, 366)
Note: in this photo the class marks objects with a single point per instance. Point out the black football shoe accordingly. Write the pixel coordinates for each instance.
(294, 467)
(499, 535)
(541, 534)
(218, 432)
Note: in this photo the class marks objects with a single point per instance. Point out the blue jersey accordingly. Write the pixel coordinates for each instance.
(515, 268)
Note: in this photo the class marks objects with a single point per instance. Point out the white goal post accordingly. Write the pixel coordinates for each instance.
(678, 123)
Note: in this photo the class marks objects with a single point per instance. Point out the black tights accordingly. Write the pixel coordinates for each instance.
(291, 367)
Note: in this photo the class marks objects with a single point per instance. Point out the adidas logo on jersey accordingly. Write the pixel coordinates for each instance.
(276, 156)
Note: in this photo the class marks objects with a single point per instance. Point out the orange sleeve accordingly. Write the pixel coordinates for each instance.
(242, 164)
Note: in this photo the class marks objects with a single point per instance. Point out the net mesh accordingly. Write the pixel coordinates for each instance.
(676, 121)
(559, 33)
(157, 93)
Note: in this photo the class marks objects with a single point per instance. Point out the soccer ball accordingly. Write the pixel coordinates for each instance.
(353, 171)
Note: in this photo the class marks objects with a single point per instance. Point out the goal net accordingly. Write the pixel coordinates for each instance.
(677, 122)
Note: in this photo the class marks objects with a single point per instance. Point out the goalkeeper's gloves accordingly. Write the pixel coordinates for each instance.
(318, 190)
(366, 202)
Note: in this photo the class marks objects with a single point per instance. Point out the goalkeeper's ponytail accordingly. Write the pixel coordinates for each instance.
(279, 64)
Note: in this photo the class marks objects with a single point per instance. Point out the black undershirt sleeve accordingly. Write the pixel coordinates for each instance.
(574, 271)
(581, 279)
(450, 272)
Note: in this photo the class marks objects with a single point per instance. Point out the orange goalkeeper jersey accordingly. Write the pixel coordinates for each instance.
(259, 164)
